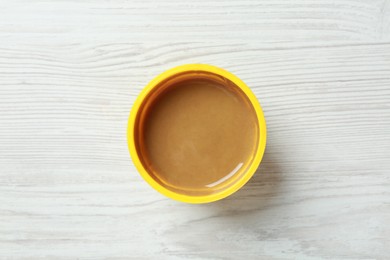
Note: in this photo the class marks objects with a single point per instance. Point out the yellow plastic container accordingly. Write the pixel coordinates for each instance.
(137, 156)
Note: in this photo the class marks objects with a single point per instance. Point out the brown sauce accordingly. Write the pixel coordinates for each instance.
(198, 134)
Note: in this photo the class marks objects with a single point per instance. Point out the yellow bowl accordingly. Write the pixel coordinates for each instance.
(136, 156)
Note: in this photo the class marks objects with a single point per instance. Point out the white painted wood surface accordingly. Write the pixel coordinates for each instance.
(70, 71)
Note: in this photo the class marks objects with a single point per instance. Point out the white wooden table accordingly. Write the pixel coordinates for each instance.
(71, 70)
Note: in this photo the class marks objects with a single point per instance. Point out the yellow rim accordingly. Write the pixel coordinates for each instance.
(258, 154)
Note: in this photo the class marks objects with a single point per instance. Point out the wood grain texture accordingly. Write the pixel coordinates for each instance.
(71, 70)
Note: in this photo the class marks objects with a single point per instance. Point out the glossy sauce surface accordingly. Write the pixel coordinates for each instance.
(199, 136)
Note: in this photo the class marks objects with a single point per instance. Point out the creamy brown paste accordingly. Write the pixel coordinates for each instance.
(198, 135)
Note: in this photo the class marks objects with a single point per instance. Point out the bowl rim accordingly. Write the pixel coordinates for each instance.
(258, 153)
